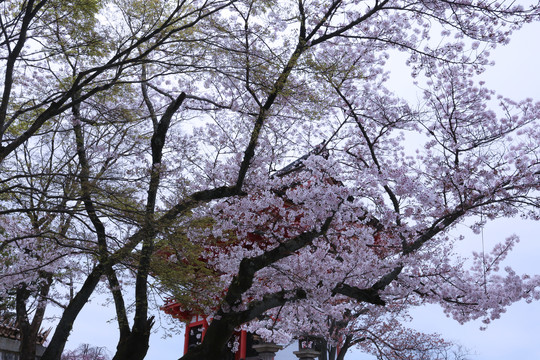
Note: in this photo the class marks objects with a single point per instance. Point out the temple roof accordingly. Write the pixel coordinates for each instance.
(10, 330)
(298, 164)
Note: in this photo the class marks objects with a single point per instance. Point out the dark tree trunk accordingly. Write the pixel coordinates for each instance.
(214, 345)
(346, 346)
(325, 350)
(29, 331)
(27, 349)
(61, 333)
(134, 346)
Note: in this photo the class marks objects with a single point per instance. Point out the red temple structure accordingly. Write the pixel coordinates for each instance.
(196, 326)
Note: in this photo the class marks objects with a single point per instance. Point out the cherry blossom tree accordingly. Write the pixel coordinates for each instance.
(86, 352)
(35, 250)
(369, 224)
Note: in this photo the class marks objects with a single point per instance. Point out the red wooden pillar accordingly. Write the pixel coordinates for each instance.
(241, 353)
(195, 331)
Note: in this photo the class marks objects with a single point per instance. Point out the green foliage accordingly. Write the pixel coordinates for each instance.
(7, 309)
(72, 28)
(25, 119)
(143, 15)
(178, 266)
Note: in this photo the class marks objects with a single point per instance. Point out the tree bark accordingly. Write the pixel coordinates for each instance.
(29, 331)
(134, 345)
(61, 333)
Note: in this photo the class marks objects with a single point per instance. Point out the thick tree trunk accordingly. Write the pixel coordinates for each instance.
(29, 331)
(134, 346)
(346, 345)
(325, 350)
(214, 345)
(27, 349)
(61, 333)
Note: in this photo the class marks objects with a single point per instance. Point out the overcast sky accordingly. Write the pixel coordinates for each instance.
(514, 336)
